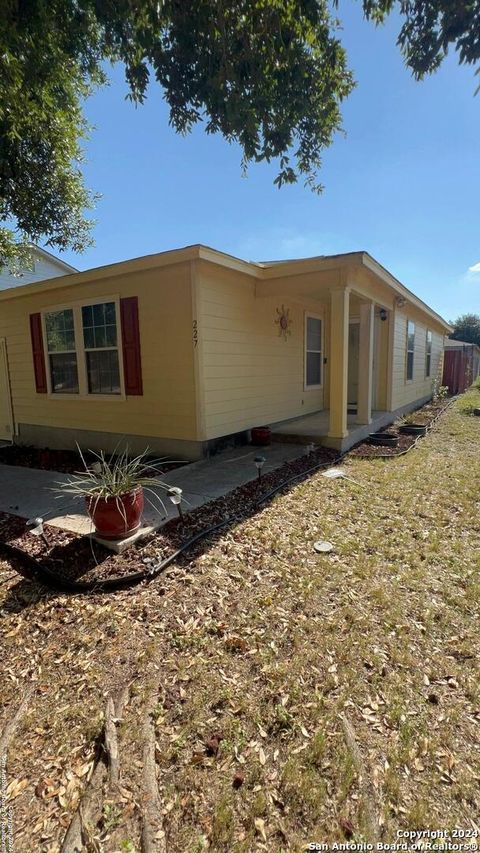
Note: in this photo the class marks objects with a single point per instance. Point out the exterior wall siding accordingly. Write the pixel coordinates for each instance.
(213, 361)
(249, 374)
(421, 386)
(167, 406)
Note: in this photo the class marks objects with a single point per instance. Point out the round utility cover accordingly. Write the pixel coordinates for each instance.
(322, 547)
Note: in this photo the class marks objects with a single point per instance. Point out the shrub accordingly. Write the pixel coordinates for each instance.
(440, 392)
(114, 477)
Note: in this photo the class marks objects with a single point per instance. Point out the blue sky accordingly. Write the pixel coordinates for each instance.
(404, 184)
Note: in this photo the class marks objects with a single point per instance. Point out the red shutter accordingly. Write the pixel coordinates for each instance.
(38, 354)
(132, 363)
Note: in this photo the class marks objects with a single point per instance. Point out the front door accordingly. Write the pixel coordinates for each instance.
(6, 422)
(353, 354)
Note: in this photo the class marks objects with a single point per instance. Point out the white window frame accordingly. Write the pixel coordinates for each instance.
(83, 392)
(407, 350)
(428, 353)
(48, 353)
(310, 314)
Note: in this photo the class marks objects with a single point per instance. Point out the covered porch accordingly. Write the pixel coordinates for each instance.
(357, 311)
(358, 369)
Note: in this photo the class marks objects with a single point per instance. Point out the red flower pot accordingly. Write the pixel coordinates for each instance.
(116, 518)
(45, 458)
(261, 436)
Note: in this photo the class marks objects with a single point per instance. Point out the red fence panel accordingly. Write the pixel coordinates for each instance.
(457, 370)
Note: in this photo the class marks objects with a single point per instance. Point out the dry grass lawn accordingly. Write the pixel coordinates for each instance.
(295, 697)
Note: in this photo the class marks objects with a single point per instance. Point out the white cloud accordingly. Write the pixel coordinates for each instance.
(475, 268)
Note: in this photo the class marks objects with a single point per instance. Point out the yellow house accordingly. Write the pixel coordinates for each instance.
(178, 351)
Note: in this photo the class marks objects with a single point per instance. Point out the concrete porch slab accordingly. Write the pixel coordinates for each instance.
(314, 428)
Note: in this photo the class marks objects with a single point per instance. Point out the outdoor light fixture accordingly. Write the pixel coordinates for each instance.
(383, 314)
(259, 463)
(35, 527)
(175, 495)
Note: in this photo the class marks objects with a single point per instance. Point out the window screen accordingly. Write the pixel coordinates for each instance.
(101, 350)
(428, 354)
(410, 348)
(62, 355)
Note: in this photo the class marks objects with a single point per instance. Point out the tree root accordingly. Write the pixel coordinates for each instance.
(367, 789)
(114, 711)
(153, 840)
(11, 725)
(79, 836)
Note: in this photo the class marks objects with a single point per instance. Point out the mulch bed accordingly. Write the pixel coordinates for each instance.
(367, 450)
(65, 461)
(423, 416)
(76, 557)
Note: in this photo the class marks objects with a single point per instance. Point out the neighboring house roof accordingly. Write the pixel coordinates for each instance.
(44, 267)
(53, 258)
(259, 270)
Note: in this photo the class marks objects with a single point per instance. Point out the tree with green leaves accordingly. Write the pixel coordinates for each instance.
(467, 328)
(268, 74)
(430, 28)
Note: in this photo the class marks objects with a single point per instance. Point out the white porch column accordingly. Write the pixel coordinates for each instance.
(365, 363)
(339, 311)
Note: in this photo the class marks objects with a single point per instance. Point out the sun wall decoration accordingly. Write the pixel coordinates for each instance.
(283, 322)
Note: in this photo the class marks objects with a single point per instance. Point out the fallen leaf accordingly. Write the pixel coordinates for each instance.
(16, 787)
(260, 827)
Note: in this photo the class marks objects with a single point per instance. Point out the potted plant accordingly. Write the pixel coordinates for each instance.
(409, 426)
(45, 458)
(114, 491)
(261, 436)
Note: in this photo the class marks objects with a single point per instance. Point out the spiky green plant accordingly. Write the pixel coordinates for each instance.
(116, 476)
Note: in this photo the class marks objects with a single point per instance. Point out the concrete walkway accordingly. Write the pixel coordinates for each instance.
(29, 492)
